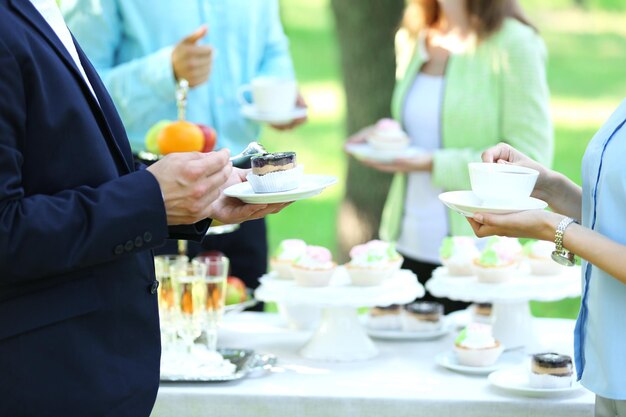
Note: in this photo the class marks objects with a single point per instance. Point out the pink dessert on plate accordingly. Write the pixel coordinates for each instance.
(373, 262)
(388, 135)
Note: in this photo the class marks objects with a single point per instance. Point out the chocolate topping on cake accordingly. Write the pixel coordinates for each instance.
(381, 311)
(425, 310)
(271, 162)
(552, 360)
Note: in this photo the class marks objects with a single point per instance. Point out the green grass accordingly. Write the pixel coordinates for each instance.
(585, 73)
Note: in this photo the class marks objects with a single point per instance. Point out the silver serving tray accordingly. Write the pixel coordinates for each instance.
(245, 360)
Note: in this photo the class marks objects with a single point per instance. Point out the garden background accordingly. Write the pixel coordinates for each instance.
(586, 41)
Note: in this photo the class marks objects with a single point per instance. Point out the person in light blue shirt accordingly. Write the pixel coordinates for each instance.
(600, 240)
(134, 45)
(141, 48)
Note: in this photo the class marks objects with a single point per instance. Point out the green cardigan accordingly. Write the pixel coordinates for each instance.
(495, 92)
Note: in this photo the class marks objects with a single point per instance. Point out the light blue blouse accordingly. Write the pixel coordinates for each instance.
(600, 336)
(130, 43)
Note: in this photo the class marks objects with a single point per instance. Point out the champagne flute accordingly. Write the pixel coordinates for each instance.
(215, 284)
(163, 265)
(190, 297)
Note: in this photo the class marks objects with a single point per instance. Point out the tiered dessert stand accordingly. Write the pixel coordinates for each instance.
(340, 335)
(512, 324)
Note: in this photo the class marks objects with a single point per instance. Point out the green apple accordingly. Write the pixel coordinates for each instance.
(235, 291)
(152, 135)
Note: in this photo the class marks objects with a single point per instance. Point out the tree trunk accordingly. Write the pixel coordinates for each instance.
(366, 30)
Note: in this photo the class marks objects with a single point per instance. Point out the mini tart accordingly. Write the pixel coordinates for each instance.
(481, 312)
(422, 316)
(457, 268)
(495, 274)
(364, 276)
(312, 277)
(544, 266)
(550, 370)
(273, 162)
(282, 267)
(385, 318)
(485, 356)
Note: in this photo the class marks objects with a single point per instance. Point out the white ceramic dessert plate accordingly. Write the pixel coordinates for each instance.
(466, 203)
(448, 360)
(407, 335)
(515, 380)
(250, 112)
(365, 151)
(310, 186)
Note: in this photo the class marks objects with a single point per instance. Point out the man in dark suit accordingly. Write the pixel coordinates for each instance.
(79, 330)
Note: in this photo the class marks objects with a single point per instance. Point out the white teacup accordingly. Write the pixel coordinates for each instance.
(270, 95)
(501, 184)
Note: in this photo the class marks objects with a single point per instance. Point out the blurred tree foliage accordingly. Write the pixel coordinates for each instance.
(365, 30)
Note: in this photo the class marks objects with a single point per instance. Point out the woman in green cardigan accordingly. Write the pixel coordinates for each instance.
(470, 74)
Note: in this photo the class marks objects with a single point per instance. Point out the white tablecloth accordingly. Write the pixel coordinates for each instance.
(403, 380)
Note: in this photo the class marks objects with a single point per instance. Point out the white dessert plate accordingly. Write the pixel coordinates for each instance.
(448, 360)
(407, 335)
(310, 186)
(466, 203)
(365, 151)
(250, 112)
(515, 380)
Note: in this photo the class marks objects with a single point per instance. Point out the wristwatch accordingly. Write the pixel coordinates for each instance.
(560, 254)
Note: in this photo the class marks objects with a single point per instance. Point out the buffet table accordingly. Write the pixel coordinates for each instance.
(403, 380)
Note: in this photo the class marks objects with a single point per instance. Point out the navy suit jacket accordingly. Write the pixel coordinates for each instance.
(79, 329)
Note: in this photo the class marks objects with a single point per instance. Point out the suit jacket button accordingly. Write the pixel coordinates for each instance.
(129, 246)
(147, 237)
(153, 287)
(138, 242)
(119, 249)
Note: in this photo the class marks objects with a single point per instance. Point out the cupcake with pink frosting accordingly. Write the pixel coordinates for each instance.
(373, 262)
(457, 254)
(288, 251)
(499, 261)
(476, 346)
(314, 268)
(388, 135)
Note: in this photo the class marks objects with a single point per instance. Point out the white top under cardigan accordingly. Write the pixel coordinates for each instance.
(424, 224)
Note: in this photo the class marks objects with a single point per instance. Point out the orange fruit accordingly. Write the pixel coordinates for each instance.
(180, 136)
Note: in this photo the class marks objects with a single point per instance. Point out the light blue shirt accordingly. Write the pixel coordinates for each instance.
(600, 336)
(130, 43)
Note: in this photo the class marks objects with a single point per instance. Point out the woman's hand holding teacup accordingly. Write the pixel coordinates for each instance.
(535, 224)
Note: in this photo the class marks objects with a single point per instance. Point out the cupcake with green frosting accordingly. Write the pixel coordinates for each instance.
(457, 253)
(499, 260)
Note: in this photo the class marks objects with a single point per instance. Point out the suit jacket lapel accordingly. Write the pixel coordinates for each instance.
(114, 125)
(28, 12)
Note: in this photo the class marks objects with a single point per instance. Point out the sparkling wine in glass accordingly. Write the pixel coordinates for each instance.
(164, 266)
(215, 284)
(190, 297)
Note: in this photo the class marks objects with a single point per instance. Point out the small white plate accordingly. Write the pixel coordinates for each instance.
(310, 186)
(466, 203)
(250, 112)
(365, 151)
(406, 335)
(448, 360)
(515, 380)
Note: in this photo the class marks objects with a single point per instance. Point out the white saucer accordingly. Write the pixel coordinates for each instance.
(466, 203)
(406, 335)
(365, 151)
(310, 186)
(448, 360)
(250, 112)
(515, 380)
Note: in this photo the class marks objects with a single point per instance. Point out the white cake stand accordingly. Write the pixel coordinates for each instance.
(512, 324)
(340, 335)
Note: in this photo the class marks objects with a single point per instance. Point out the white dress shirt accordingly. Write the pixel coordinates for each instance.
(51, 13)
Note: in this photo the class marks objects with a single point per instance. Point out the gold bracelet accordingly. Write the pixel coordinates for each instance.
(560, 254)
